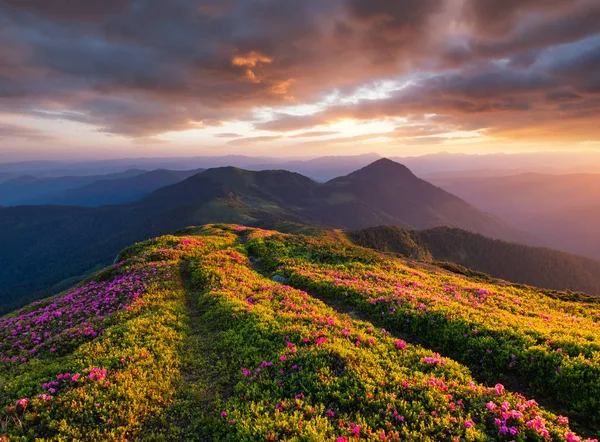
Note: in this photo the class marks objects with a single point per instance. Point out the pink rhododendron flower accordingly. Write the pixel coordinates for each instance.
(499, 389)
(356, 430)
(400, 343)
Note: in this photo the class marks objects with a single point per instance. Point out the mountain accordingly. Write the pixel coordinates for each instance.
(562, 210)
(18, 191)
(112, 191)
(524, 195)
(229, 333)
(46, 245)
(537, 266)
(323, 168)
(386, 192)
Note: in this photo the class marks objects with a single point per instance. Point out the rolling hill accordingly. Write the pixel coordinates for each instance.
(46, 245)
(537, 266)
(231, 333)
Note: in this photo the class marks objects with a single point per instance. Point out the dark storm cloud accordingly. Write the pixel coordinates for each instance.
(144, 67)
(492, 91)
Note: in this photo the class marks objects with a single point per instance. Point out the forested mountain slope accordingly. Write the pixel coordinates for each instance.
(538, 266)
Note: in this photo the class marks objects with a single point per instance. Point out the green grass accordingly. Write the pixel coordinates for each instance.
(208, 347)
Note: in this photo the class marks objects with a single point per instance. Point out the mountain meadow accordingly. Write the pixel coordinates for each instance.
(226, 332)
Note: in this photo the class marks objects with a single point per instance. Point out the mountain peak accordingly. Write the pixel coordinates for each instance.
(383, 168)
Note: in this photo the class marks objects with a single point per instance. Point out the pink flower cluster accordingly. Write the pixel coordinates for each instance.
(97, 374)
(53, 325)
(400, 344)
(570, 437)
(435, 359)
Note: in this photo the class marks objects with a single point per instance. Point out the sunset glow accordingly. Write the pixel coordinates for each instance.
(194, 77)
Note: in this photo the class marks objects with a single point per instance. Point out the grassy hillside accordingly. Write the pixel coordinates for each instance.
(231, 333)
(536, 266)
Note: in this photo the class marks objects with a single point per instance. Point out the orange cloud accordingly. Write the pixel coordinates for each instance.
(282, 87)
(249, 61)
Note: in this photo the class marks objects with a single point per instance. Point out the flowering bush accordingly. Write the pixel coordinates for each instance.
(60, 324)
(184, 339)
(306, 371)
(551, 345)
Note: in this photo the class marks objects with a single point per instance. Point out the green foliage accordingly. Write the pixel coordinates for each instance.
(499, 331)
(186, 339)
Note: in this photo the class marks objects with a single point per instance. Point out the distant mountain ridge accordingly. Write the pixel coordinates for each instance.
(112, 191)
(45, 245)
(24, 188)
(327, 167)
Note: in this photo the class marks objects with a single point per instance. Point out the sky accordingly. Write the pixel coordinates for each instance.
(123, 78)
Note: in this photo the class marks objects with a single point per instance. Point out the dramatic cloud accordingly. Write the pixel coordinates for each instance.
(143, 68)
